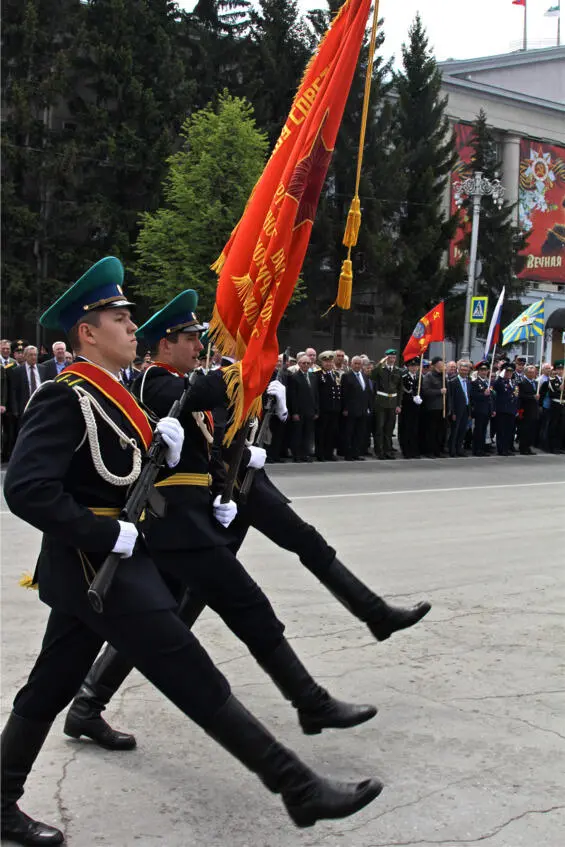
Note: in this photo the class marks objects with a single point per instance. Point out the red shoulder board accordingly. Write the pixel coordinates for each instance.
(115, 392)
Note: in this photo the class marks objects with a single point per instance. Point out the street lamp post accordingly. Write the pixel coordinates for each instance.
(475, 187)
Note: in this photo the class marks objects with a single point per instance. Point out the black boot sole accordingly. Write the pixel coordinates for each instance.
(314, 724)
(107, 738)
(385, 628)
(331, 804)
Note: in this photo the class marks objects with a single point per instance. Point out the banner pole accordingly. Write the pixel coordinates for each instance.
(420, 374)
(491, 365)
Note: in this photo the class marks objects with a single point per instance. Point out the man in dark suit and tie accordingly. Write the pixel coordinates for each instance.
(354, 410)
(303, 408)
(53, 367)
(459, 406)
(25, 379)
(528, 410)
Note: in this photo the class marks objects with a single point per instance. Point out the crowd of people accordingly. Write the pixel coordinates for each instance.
(351, 407)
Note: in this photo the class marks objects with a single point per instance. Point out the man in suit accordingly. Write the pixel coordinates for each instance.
(481, 407)
(25, 379)
(329, 395)
(528, 410)
(553, 389)
(7, 367)
(459, 407)
(354, 409)
(433, 393)
(387, 381)
(53, 367)
(5, 350)
(303, 409)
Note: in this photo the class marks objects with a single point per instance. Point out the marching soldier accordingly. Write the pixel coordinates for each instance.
(329, 404)
(387, 379)
(81, 445)
(409, 420)
(190, 547)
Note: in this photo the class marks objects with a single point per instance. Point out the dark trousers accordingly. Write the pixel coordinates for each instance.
(435, 431)
(555, 427)
(384, 427)
(505, 423)
(301, 436)
(157, 643)
(280, 523)
(409, 430)
(458, 431)
(527, 431)
(480, 432)
(275, 448)
(326, 434)
(353, 434)
(223, 584)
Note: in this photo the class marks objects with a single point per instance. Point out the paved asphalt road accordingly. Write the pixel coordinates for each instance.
(470, 735)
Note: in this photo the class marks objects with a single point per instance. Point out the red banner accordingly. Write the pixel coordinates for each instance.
(462, 170)
(260, 264)
(429, 328)
(542, 210)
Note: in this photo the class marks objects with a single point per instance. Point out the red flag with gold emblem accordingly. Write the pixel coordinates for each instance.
(261, 262)
(429, 328)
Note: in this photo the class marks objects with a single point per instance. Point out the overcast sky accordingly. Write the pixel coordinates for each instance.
(460, 29)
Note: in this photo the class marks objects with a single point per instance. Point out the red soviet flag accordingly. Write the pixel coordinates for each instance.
(429, 328)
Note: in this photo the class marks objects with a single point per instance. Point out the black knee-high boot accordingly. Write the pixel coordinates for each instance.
(317, 709)
(381, 618)
(306, 796)
(22, 740)
(85, 713)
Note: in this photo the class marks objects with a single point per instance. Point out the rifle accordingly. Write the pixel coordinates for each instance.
(143, 496)
(268, 413)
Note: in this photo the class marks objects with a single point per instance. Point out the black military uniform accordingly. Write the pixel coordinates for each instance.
(482, 407)
(7, 420)
(409, 421)
(528, 412)
(556, 425)
(505, 405)
(190, 546)
(55, 484)
(329, 404)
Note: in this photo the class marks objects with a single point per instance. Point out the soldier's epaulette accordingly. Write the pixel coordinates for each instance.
(9, 365)
(69, 379)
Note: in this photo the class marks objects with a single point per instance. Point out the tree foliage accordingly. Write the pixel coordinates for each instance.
(205, 191)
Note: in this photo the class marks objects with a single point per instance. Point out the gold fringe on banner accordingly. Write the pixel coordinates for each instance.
(26, 581)
(218, 264)
(353, 225)
(220, 336)
(233, 379)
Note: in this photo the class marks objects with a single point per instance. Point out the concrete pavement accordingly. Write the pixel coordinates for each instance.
(470, 735)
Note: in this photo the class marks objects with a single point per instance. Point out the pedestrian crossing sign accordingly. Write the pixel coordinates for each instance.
(479, 306)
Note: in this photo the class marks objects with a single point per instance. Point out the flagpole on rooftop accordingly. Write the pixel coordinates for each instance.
(525, 43)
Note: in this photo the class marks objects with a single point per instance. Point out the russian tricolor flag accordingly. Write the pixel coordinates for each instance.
(493, 336)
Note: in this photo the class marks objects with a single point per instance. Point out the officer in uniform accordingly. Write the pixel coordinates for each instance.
(556, 425)
(505, 406)
(481, 407)
(387, 380)
(329, 404)
(7, 365)
(190, 546)
(409, 420)
(81, 446)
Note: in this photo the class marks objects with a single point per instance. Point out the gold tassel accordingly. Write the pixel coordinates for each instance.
(343, 299)
(219, 264)
(26, 581)
(353, 223)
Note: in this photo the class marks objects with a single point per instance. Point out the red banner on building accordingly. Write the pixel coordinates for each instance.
(462, 170)
(542, 210)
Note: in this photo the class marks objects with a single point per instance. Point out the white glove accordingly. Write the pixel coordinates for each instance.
(173, 436)
(258, 457)
(277, 390)
(126, 539)
(417, 400)
(224, 512)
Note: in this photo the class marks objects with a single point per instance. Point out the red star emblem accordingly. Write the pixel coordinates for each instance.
(308, 178)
